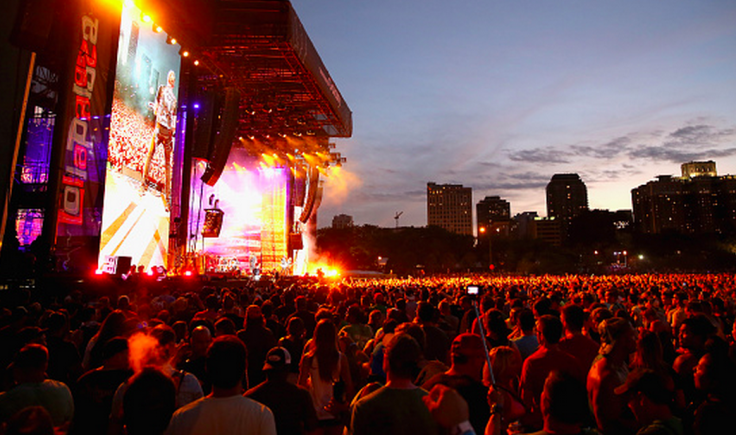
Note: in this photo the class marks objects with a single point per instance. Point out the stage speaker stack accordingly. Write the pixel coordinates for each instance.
(228, 126)
(212, 222)
(204, 125)
(300, 185)
(311, 195)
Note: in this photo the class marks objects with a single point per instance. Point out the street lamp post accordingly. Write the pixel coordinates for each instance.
(484, 230)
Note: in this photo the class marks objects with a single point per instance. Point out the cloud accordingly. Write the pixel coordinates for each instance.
(665, 153)
(691, 142)
(608, 150)
(613, 174)
(566, 153)
(396, 196)
(503, 181)
(520, 185)
(700, 134)
(540, 155)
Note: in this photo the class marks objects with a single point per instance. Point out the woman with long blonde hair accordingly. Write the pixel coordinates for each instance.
(324, 371)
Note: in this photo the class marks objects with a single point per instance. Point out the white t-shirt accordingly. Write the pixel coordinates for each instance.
(223, 416)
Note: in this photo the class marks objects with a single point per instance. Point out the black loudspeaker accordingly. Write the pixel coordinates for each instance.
(205, 113)
(229, 118)
(212, 222)
(122, 265)
(33, 24)
(311, 194)
(300, 186)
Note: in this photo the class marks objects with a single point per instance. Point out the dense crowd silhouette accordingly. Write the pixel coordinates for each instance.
(618, 354)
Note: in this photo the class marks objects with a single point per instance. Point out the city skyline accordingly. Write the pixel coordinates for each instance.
(499, 96)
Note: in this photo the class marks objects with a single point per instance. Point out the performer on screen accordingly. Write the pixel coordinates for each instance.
(164, 108)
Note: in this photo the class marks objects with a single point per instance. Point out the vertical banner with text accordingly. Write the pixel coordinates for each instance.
(85, 127)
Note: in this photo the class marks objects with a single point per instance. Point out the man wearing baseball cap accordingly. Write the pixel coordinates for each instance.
(291, 404)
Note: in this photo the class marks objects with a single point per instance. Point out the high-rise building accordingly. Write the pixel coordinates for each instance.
(492, 214)
(567, 198)
(548, 230)
(525, 228)
(342, 221)
(699, 202)
(449, 206)
(699, 169)
(530, 226)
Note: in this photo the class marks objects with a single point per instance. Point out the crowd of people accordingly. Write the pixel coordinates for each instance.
(623, 354)
(130, 139)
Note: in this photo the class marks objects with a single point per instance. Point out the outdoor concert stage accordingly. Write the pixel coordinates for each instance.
(190, 135)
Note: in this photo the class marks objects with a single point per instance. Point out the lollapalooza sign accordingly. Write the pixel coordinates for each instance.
(78, 145)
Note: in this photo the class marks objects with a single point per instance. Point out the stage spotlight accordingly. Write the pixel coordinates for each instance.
(297, 134)
(196, 105)
(170, 40)
(146, 18)
(250, 110)
(267, 108)
(184, 53)
(156, 28)
(196, 63)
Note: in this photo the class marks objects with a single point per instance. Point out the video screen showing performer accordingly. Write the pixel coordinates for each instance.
(163, 134)
(143, 144)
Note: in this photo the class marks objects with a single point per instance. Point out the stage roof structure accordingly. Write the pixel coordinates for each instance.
(262, 49)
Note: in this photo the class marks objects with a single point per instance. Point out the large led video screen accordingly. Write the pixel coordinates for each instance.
(253, 198)
(143, 141)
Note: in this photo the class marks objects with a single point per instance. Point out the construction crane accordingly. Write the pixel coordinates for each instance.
(398, 215)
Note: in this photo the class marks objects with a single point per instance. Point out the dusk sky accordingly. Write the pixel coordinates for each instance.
(499, 95)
